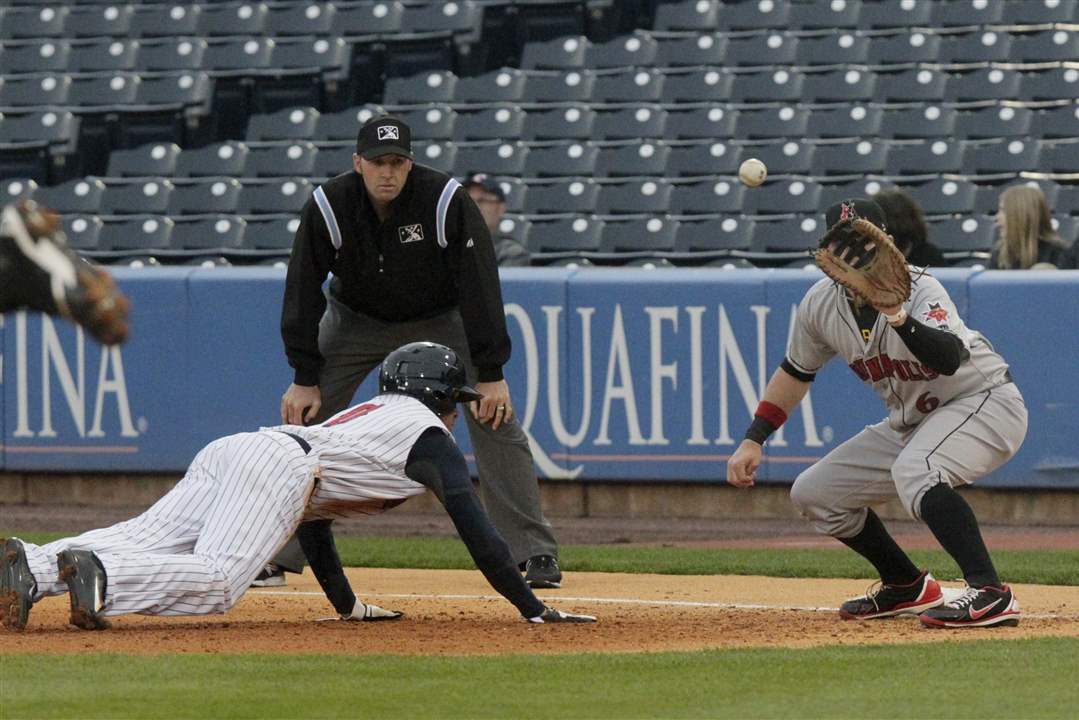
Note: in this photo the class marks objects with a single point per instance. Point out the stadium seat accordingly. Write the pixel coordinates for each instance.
(637, 235)
(113, 21)
(212, 195)
(1056, 122)
(789, 157)
(976, 47)
(565, 234)
(244, 56)
(927, 156)
(785, 196)
(103, 91)
(863, 157)
(1038, 13)
(33, 143)
(161, 20)
(920, 84)
(1057, 83)
(288, 124)
(434, 122)
(833, 48)
(916, 122)
(439, 154)
(495, 123)
(707, 197)
(990, 83)
(832, 193)
(244, 19)
(320, 56)
(332, 161)
(189, 92)
(559, 87)
(962, 235)
(81, 195)
(638, 50)
(761, 49)
(835, 86)
(895, 14)
(699, 15)
(635, 196)
(572, 159)
(295, 158)
(13, 189)
(271, 233)
(944, 197)
(34, 91)
(994, 122)
(420, 89)
(82, 231)
(951, 14)
(1060, 156)
(504, 158)
(715, 234)
(154, 159)
(701, 123)
(34, 22)
(149, 196)
(703, 158)
(102, 55)
(346, 124)
(514, 227)
(35, 56)
(904, 47)
(225, 159)
(566, 123)
(1056, 45)
(698, 86)
(354, 20)
(284, 195)
(219, 232)
(1068, 228)
(502, 85)
(135, 234)
(633, 159)
(462, 17)
(699, 49)
(754, 15)
(181, 53)
(791, 235)
(635, 85)
(1011, 155)
(778, 85)
(573, 195)
(640, 121)
(514, 189)
(824, 16)
(780, 122)
(856, 121)
(305, 18)
(559, 54)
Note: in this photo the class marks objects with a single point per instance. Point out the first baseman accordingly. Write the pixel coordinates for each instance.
(197, 549)
(954, 415)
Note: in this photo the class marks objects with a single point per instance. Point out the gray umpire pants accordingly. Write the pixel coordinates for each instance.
(354, 344)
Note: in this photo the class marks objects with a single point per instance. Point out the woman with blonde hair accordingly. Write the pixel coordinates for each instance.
(1027, 236)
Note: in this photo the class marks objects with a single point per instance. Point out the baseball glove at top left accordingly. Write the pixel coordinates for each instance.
(863, 258)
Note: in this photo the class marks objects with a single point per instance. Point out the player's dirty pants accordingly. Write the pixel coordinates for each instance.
(355, 344)
(956, 444)
(197, 549)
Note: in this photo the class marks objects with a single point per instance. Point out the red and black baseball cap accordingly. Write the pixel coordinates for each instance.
(855, 208)
(384, 135)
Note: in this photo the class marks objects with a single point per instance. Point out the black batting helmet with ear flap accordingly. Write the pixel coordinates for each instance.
(429, 372)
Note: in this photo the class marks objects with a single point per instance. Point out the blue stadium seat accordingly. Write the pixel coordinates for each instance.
(1056, 122)
(421, 88)
(762, 49)
(182, 53)
(834, 48)
(559, 87)
(81, 195)
(699, 15)
(13, 189)
(919, 122)
(564, 160)
(289, 124)
(439, 154)
(211, 195)
(772, 14)
(993, 122)
(494, 123)
(240, 57)
(112, 21)
(633, 159)
(945, 14)
(944, 197)
(976, 47)
(135, 234)
(635, 196)
(271, 232)
(844, 121)
(111, 91)
(701, 123)
(279, 159)
(152, 159)
(639, 121)
(305, 18)
(637, 235)
(1059, 156)
(434, 122)
(963, 235)
(903, 48)
(364, 20)
(992, 83)
(34, 91)
(824, 16)
(566, 53)
(246, 19)
(635, 85)
(142, 197)
(165, 20)
(282, 195)
(772, 122)
(714, 235)
(107, 54)
(1056, 83)
(572, 195)
(703, 158)
(226, 159)
(779, 85)
(500, 158)
(82, 231)
(345, 124)
(218, 232)
(1011, 155)
(698, 86)
(35, 56)
(919, 84)
(789, 157)
(791, 235)
(577, 234)
(1039, 13)
(698, 49)
(785, 196)
(637, 50)
(927, 156)
(707, 197)
(34, 22)
(1056, 45)
(497, 86)
(895, 14)
(848, 85)
(564, 123)
(863, 157)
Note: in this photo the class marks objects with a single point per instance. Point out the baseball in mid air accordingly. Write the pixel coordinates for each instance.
(752, 172)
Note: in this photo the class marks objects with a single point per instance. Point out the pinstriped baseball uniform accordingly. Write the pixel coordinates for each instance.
(197, 549)
(939, 428)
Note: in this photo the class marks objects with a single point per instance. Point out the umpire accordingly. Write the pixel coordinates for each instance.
(412, 260)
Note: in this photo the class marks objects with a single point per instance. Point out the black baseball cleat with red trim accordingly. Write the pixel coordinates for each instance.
(977, 607)
(890, 600)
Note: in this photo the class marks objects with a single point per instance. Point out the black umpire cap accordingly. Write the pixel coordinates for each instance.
(384, 135)
(855, 208)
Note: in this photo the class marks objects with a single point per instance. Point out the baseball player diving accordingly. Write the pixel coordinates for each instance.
(954, 415)
(196, 550)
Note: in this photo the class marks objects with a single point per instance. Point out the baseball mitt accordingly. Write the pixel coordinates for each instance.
(863, 258)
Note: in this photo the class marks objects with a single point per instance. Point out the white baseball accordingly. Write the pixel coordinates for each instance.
(752, 172)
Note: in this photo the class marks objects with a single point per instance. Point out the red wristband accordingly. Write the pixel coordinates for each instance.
(772, 413)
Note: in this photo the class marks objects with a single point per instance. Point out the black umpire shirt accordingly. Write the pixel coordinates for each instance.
(431, 254)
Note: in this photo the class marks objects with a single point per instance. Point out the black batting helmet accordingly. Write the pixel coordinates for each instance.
(429, 372)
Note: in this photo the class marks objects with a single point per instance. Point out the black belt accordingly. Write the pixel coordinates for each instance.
(302, 443)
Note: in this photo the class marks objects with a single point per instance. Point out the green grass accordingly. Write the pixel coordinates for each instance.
(1046, 567)
(1032, 678)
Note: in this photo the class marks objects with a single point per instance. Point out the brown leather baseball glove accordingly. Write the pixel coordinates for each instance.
(863, 258)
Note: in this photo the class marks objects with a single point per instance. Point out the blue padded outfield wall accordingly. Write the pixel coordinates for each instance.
(617, 374)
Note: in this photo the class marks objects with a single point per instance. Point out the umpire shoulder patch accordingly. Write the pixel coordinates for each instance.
(410, 233)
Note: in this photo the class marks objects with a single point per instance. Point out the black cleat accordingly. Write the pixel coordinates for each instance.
(542, 571)
(17, 586)
(977, 607)
(890, 600)
(85, 578)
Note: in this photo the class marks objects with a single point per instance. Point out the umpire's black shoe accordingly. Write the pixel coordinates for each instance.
(977, 607)
(17, 586)
(889, 600)
(85, 578)
(542, 571)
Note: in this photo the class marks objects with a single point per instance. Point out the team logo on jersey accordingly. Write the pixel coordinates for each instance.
(410, 233)
(936, 313)
(388, 132)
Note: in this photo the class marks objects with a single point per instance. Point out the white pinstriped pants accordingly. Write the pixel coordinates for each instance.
(197, 549)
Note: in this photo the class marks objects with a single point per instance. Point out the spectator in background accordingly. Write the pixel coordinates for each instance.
(906, 223)
(491, 200)
(1027, 237)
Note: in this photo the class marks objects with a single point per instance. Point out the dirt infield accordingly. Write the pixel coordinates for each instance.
(452, 612)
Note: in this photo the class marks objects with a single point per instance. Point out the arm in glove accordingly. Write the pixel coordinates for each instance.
(864, 259)
(550, 615)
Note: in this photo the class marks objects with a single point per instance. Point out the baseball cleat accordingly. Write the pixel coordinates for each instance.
(542, 571)
(17, 586)
(883, 601)
(271, 576)
(977, 607)
(85, 578)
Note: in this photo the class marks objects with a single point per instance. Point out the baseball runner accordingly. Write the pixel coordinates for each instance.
(197, 549)
(39, 271)
(954, 415)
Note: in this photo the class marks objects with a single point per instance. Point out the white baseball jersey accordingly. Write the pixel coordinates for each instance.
(825, 326)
